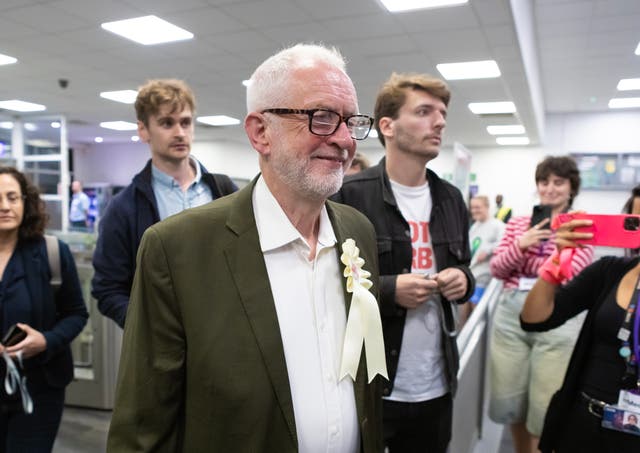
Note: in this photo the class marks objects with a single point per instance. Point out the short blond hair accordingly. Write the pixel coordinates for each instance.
(158, 92)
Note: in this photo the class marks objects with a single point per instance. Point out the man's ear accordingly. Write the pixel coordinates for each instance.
(255, 126)
(143, 133)
(386, 126)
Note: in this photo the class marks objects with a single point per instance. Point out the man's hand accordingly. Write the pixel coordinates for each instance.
(413, 290)
(32, 345)
(452, 283)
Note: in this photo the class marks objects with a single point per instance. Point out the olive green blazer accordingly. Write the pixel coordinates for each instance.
(203, 366)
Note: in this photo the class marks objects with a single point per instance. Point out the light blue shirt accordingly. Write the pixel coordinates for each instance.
(79, 206)
(170, 197)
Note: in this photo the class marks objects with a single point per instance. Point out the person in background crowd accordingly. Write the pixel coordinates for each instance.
(172, 181)
(503, 213)
(603, 365)
(360, 162)
(484, 235)
(525, 369)
(79, 210)
(237, 319)
(49, 318)
(422, 227)
(632, 206)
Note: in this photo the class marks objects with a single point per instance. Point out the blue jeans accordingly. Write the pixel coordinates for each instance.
(35, 432)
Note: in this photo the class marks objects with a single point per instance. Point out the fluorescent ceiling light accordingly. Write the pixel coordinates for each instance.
(512, 140)
(6, 125)
(119, 125)
(21, 106)
(396, 6)
(489, 108)
(98, 140)
(135, 138)
(56, 124)
(30, 127)
(147, 30)
(511, 129)
(124, 96)
(373, 133)
(628, 84)
(624, 103)
(6, 59)
(218, 120)
(485, 69)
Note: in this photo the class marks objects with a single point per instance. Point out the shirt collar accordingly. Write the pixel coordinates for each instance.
(166, 180)
(274, 227)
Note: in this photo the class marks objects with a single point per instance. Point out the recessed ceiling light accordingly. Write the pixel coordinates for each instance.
(124, 96)
(373, 133)
(6, 125)
(624, 103)
(485, 69)
(628, 84)
(638, 49)
(488, 108)
(396, 6)
(56, 124)
(6, 59)
(218, 120)
(135, 138)
(30, 127)
(512, 140)
(511, 129)
(21, 106)
(119, 125)
(147, 30)
(98, 140)
(246, 82)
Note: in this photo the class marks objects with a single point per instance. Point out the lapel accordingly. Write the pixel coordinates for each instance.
(33, 269)
(343, 229)
(247, 266)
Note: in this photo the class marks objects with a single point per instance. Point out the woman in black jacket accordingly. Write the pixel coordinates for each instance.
(604, 361)
(50, 319)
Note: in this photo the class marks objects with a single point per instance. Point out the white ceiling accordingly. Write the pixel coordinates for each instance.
(578, 52)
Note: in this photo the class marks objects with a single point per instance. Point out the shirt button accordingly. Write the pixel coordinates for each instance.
(394, 352)
(405, 270)
(386, 392)
(407, 233)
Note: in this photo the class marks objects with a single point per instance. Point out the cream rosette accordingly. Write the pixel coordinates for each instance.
(363, 323)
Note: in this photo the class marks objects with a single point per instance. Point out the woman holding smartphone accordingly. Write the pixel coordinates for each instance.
(527, 368)
(49, 320)
(602, 384)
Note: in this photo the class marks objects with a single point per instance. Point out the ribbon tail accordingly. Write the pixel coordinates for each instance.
(566, 258)
(373, 339)
(353, 338)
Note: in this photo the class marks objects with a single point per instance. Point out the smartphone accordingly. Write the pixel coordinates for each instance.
(541, 212)
(13, 336)
(617, 230)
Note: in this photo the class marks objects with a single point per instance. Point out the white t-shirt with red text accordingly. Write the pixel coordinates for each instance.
(420, 375)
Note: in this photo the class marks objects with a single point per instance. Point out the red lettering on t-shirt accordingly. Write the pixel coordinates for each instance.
(422, 258)
(419, 231)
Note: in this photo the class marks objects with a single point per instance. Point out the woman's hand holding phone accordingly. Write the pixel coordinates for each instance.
(535, 235)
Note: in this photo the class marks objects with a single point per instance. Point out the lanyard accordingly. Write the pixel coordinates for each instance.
(631, 356)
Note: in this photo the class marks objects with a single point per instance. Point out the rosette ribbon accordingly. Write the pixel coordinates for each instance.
(363, 323)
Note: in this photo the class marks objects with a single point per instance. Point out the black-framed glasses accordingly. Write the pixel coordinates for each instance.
(325, 122)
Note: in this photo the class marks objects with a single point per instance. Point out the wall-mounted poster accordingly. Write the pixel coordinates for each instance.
(611, 171)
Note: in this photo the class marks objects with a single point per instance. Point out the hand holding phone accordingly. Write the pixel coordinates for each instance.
(618, 230)
(539, 214)
(13, 336)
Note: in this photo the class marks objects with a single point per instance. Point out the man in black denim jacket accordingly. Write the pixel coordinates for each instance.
(421, 225)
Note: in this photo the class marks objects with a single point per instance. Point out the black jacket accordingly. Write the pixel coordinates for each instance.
(587, 291)
(370, 192)
(126, 218)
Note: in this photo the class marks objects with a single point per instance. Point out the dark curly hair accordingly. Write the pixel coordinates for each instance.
(35, 217)
(562, 166)
(628, 206)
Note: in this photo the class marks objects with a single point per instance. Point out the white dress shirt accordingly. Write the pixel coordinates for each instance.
(311, 311)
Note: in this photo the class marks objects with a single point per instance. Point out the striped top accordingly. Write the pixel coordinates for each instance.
(509, 263)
